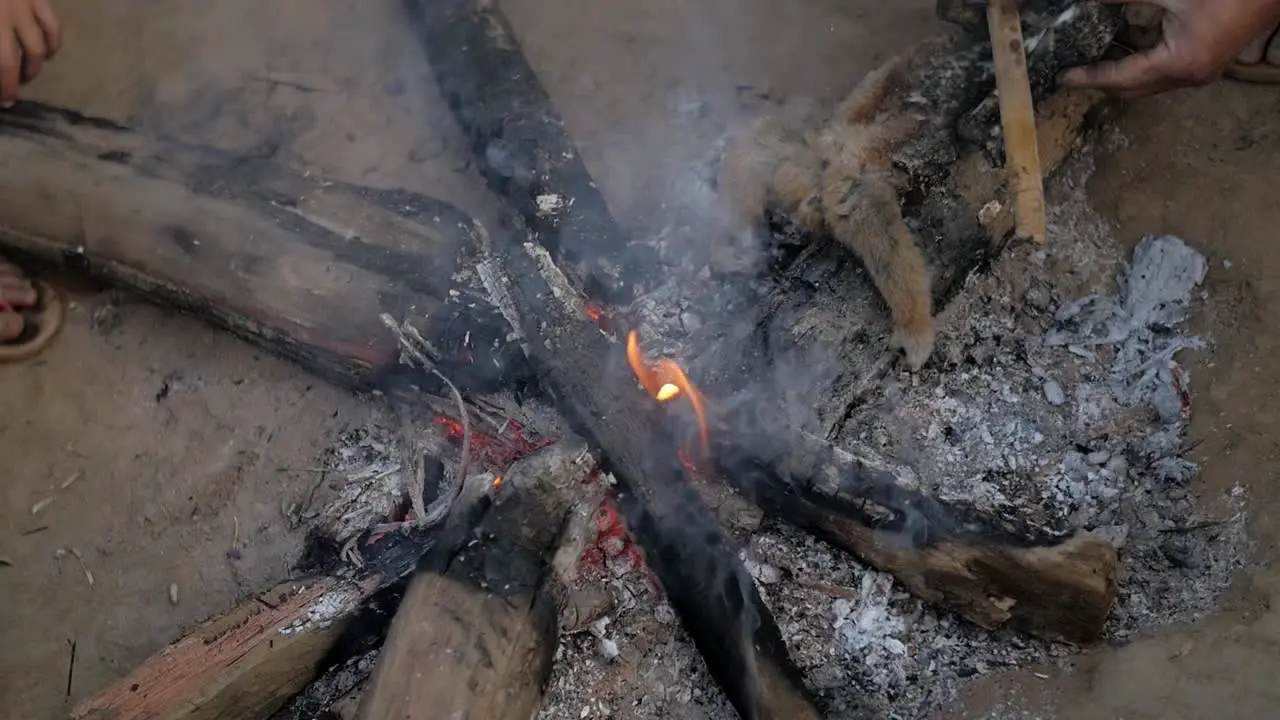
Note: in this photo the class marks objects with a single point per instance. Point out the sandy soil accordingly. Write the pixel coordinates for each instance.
(187, 442)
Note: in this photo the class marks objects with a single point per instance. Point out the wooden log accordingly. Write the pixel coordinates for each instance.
(300, 265)
(991, 569)
(246, 663)
(476, 631)
(586, 373)
(519, 141)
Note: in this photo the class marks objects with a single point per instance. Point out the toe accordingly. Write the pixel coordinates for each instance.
(17, 291)
(10, 326)
(1256, 50)
(1273, 50)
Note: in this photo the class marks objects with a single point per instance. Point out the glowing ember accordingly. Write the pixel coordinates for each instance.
(665, 380)
(594, 312)
(497, 484)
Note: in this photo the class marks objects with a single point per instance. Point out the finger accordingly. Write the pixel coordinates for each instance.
(10, 69)
(50, 24)
(1128, 74)
(34, 50)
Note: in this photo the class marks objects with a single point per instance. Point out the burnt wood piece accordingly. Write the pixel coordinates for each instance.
(989, 568)
(476, 631)
(519, 140)
(586, 373)
(299, 265)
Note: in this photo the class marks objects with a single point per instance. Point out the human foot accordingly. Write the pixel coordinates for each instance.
(31, 314)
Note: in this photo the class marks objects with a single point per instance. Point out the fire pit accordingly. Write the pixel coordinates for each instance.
(566, 451)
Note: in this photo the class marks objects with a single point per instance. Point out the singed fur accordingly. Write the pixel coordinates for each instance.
(840, 180)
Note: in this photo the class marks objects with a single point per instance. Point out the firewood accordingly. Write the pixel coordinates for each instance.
(251, 661)
(683, 544)
(298, 264)
(990, 568)
(476, 631)
(245, 663)
(519, 140)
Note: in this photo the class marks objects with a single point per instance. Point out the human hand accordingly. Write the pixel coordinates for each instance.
(1200, 39)
(29, 35)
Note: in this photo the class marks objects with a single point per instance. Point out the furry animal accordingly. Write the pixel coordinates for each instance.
(839, 180)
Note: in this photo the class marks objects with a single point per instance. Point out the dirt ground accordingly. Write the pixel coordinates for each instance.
(185, 443)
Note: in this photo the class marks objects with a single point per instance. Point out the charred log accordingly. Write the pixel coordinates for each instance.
(298, 265)
(476, 631)
(519, 141)
(718, 604)
(990, 568)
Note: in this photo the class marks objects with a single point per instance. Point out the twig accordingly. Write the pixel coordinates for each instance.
(311, 495)
(412, 342)
(1193, 527)
(63, 552)
(71, 665)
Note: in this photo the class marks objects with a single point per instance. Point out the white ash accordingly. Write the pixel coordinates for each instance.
(368, 462)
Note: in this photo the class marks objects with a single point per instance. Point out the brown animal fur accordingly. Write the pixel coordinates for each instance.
(840, 180)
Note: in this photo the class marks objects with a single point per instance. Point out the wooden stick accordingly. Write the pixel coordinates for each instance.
(1017, 116)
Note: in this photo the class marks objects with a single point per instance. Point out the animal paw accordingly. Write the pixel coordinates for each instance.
(915, 341)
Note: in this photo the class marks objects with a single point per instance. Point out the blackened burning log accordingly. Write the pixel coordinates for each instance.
(476, 630)
(519, 141)
(299, 265)
(991, 569)
(586, 373)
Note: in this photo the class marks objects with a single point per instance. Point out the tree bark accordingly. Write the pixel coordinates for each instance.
(299, 265)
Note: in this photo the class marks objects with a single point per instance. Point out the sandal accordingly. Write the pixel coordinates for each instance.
(40, 324)
(1259, 62)
(1262, 73)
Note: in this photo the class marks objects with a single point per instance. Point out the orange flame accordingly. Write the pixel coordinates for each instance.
(497, 484)
(665, 381)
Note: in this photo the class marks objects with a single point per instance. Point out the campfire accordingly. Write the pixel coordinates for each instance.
(614, 456)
